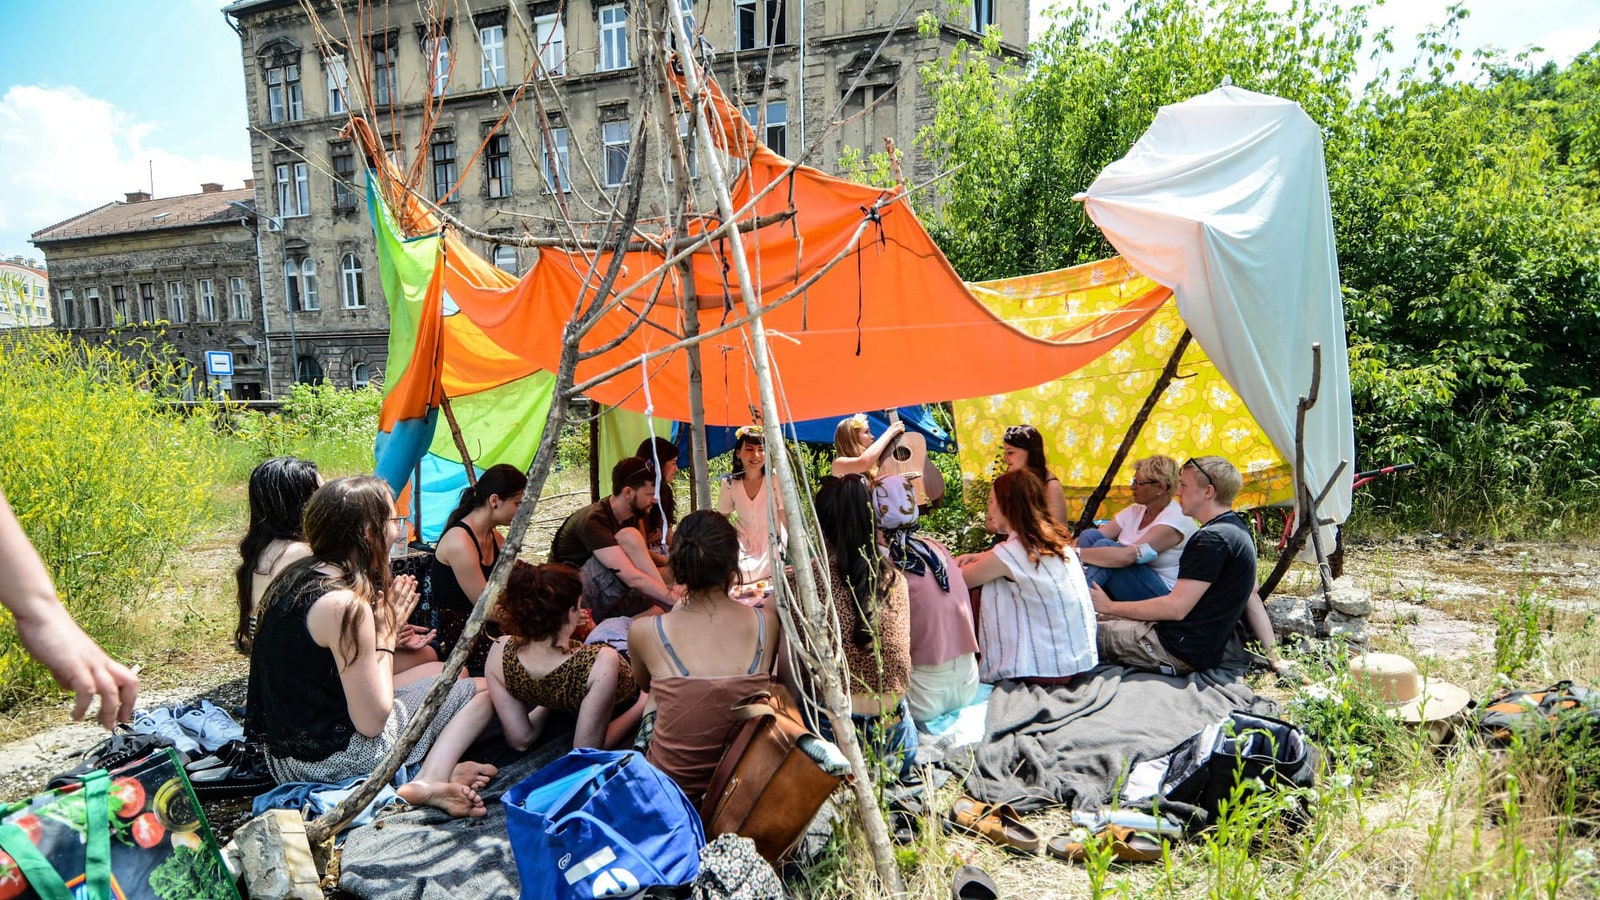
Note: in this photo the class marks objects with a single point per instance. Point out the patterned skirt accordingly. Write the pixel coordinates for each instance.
(364, 753)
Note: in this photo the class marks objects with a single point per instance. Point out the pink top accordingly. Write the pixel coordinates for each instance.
(694, 722)
(941, 621)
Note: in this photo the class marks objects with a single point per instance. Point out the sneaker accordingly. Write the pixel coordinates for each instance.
(160, 721)
(210, 725)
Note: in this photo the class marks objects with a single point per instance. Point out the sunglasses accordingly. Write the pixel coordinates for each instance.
(1146, 482)
(1193, 463)
(1017, 433)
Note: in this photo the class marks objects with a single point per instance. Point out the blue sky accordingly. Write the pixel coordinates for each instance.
(144, 84)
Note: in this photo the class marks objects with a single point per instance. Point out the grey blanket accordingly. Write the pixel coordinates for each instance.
(1071, 745)
(421, 853)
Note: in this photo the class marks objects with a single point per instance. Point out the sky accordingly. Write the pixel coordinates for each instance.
(156, 88)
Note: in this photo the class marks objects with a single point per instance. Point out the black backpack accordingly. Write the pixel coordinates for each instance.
(1205, 769)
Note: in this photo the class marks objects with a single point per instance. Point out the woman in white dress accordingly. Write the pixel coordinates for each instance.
(1036, 620)
(744, 500)
(1135, 555)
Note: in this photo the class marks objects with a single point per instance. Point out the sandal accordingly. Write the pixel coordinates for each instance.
(1127, 845)
(973, 883)
(998, 823)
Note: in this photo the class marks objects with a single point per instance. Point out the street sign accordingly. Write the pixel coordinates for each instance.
(219, 362)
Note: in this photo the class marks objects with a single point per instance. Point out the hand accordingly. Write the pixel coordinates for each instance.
(79, 665)
(395, 607)
(1102, 602)
(414, 637)
(895, 429)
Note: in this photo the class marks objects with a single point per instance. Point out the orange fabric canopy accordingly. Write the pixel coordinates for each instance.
(890, 325)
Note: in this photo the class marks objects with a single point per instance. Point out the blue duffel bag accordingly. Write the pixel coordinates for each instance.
(599, 823)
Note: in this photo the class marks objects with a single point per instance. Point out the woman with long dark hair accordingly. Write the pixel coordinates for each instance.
(703, 656)
(874, 611)
(537, 667)
(746, 496)
(466, 553)
(1036, 620)
(322, 696)
(1024, 449)
(279, 489)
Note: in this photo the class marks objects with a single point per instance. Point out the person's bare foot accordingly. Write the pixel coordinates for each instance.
(456, 799)
(474, 775)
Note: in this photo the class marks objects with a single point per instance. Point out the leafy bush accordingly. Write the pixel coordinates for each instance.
(334, 428)
(105, 475)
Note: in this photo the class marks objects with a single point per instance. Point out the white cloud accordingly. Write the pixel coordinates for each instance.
(63, 152)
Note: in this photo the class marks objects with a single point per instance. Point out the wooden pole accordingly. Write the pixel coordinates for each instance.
(461, 442)
(595, 411)
(1092, 505)
(835, 694)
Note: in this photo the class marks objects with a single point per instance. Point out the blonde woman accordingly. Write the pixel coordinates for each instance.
(1135, 555)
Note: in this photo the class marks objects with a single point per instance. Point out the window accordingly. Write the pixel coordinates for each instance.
(294, 189)
(175, 302)
(360, 376)
(338, 83)
(613, 37)
(308, 371)
(344, 176)
(559, 179)
(505, 259)
(497, 165)
(982, 14)
(444, 170)
(493, 42)
(615, 136)
(207, 293)
(300, 284)
(776, 136)
(239, 298)
(119, 304)
(686, 13)
(283, 94)
(91, 308)
(147, 302)
(760, 23)
(350, 292)
(69, 308)
(384, 90)
(551, 34)
(438, 53)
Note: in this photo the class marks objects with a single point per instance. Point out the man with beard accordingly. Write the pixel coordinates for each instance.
(605, 543)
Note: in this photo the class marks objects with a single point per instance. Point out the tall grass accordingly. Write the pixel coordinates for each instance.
(106, 478)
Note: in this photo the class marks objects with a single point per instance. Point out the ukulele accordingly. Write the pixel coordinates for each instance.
(906, 456)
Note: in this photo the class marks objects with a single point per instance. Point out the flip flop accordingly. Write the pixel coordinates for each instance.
(973, 883)
(998, 823)
(1127, 845)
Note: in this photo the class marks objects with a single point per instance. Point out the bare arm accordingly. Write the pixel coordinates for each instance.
(978, 569)
(646, 581)
(457, 551)
(1169, 608)
(642, 647)
(594, 714)
(1159, 538)
(50, 636)
(862, 465)
(1255, 616)
(368, 679)
(1056, 498)
(522, 726)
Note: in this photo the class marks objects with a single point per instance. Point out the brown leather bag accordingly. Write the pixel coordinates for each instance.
(766, 788)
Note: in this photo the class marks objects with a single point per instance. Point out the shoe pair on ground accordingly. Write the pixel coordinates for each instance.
(196, 729)
(1000, 824)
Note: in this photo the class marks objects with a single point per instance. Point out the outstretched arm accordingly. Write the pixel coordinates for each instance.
(50, 636)
(862, 465)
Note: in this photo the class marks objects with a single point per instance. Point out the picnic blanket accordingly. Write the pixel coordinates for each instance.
(444, 858)
(1070, 745)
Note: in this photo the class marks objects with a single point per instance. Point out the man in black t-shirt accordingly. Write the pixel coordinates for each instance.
(604, 543)
(1191, 627)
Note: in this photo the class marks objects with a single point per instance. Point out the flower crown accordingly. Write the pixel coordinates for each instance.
(748, 431)
(859, 420)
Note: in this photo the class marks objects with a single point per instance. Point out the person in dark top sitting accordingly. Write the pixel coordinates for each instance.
(658, 522)
(1193, 626)
(605, 543)
(466, 554)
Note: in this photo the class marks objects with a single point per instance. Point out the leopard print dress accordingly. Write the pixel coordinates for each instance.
(567, 684)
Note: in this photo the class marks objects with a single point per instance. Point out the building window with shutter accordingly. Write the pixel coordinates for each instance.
(615, 137)
(175, 302)
(351, 293)
(497, 165)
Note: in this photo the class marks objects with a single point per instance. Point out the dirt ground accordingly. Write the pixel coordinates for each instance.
(1433, 595)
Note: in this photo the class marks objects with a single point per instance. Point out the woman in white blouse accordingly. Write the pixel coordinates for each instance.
(1135, 555)
(744, 500)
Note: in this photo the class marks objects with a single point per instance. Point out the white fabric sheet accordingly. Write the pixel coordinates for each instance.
(1225, 200)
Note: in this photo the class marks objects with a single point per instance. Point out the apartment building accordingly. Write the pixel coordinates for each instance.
(453, 69)
(24, 293)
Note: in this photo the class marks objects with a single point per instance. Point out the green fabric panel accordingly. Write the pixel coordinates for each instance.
(621, 433)
(500, 425)
(406, 267)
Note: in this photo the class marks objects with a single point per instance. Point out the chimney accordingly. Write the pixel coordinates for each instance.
(210, 187)
(249, 184)
(138, 196)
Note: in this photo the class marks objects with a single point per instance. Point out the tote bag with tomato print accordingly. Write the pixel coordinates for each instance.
(136, 832)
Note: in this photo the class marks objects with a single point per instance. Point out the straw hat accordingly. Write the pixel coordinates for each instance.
(1409, 696)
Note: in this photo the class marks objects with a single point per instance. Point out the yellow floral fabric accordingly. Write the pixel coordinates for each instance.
(1084, 416)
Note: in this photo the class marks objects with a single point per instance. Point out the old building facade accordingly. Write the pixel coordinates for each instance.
(183, 270)
(439, 87)
(24, 293)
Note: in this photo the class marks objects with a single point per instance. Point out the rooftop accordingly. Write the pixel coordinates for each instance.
(136, 215)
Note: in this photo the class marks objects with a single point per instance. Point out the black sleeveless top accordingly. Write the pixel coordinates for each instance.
(295, 703)
(445, 590)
